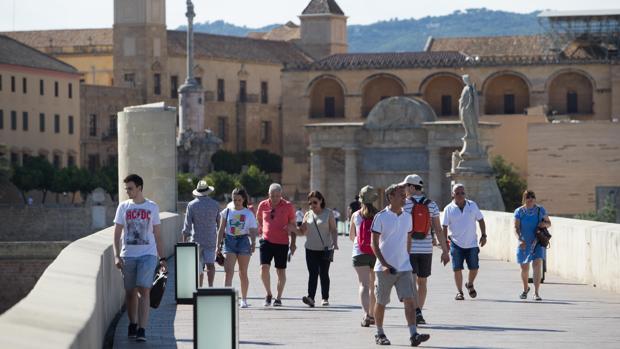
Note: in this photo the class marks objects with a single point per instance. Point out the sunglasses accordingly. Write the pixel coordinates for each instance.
(272, 214)
(459, 193)
(530, 197)
(313, 202)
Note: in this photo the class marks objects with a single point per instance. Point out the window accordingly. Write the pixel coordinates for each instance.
(130, 78)
(220, 90)
(509, 104)
(112, 125)
(174, 86)
(243, 93)
(41, 87)
(199, 81)
(93, 162)
(92, 125)
(446, 105)
(13, 120)
(55, 88)
(330, 107)
(56, 161)
(42, 122)
(24, 85)
(571, 102)
(264, 92)
(12, 84)
(265, 132)
(56, 123)
(25, 121)
(157, 84)
(222, 128)
(71, 160)
(14, 159)
(1, 119)
(70, 125)
(70, 90)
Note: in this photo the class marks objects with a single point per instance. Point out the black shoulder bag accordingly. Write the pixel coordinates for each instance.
(328, 255)
(542, 234)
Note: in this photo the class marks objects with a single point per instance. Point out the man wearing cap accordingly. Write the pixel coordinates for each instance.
(391, 241)
(459, 217)
(421, 252)
(200, 226)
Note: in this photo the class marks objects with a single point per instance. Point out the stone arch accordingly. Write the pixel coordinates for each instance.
(570, 91)
(506, 92)
(326, 94)
(378, 87)
(442, 91)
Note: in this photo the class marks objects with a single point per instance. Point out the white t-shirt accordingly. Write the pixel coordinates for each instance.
(393, 230)
(239, 222)
(357, 219)
(422, 246)
(299, 216)
(462, 225)
(137, 221)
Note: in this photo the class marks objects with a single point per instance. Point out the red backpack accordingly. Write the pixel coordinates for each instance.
(421, 218)
(364, 238)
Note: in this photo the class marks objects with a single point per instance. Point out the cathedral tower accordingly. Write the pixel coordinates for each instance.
(323, 29)
(140, 47)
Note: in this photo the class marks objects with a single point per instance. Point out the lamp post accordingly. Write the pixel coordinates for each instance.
(186, 271)
(216, 320)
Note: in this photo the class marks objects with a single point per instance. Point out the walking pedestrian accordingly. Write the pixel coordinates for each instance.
(200, 226)
(137, 243)
(276, 221)
(363, 257)
(528, 218)
(459, 218)
(391, 241)
(299, 217)
(319, 226)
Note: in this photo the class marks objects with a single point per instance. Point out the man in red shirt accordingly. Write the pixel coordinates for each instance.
(276, 221)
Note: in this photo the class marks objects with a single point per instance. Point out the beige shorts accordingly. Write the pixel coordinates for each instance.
(402, 281)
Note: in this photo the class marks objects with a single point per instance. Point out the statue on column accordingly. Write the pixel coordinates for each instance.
(469, 111)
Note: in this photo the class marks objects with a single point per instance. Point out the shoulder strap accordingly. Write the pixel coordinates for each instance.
(317, 229)
(538, 212)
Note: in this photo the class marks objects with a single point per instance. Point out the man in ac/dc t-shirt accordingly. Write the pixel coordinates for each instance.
(137, 244)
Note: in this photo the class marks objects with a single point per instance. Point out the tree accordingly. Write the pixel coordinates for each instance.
(107, 178)
(43, 171)
(255, 181)
(510, 184)
(24, 180)
(86, 183)
(226, 161)
(186, 183)
(607, 213)
(223, 183)
(62, 182)
(5, 167)
(267, 161)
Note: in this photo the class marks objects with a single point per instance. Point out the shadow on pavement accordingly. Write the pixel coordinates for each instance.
(488, 328)
(544, 301)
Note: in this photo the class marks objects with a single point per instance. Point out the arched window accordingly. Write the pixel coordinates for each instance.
(326, 99)
(506, 93)
(570, 93)
(378, 88)
(442, 92)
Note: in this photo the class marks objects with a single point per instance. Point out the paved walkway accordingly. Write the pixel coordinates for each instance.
(571, 316)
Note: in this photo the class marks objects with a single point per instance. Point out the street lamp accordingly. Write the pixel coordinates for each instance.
(186, 271)
(216, 320)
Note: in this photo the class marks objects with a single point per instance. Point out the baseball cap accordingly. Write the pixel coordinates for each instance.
(368, 195)
(413, 179)
(456, 186)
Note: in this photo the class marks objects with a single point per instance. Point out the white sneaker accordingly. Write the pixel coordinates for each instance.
(243, 303)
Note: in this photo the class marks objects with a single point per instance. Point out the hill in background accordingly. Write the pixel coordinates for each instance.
(411, 34)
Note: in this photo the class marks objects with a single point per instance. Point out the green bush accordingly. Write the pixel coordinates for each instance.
(510, 184)
(186, 183)
(226, 161)
(255, 181)
(223, 183)
(229, 162)
(606, 214)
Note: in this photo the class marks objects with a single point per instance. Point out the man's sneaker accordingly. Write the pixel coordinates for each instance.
(277, 303)
(141, 335)
(419, 319)
(308, 301)
(243, 303)
(132, 331)
(418, 338)
(325, 303)
(268, 300)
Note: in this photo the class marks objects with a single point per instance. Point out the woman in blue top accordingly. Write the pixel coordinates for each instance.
(527, 220)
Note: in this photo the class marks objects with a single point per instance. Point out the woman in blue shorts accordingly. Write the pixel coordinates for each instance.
(528, 218)
(237, 230)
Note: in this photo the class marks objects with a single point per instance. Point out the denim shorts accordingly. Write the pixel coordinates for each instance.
(206, 255)
(460, 255)
(139, 271)
(239, 245)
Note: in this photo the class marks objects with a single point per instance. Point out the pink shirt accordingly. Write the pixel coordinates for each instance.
(275, 230)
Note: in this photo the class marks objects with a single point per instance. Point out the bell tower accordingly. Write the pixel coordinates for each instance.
(323, 29)
(140, 47)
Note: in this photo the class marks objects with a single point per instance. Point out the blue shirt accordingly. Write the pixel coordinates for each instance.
(528, 222)
(201, 221)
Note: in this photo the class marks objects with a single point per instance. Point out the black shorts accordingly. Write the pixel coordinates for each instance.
(421, 264)
(277, 252)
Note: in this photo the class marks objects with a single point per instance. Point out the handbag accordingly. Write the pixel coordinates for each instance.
(159, 286)
(328, 254)
(542, 234)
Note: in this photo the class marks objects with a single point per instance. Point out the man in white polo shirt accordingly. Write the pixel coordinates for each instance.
(391, 240)
(459, 218)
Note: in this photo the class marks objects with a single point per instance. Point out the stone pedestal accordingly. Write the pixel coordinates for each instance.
(147, 147)
(479, 180)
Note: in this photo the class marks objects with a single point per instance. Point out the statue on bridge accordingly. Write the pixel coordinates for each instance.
(469, 113)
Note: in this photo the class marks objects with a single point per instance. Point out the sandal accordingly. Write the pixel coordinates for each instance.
(524, 294)
(537, 298)
(365, 321)
(470, 288)
(381, 339)
(459, 296)
(372, 320)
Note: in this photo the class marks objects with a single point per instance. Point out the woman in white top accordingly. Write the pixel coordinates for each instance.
(237, 231)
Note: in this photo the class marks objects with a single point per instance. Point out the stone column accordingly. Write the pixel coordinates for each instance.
(350, 174)
(435, 176)
(147, 147)
(316, 170)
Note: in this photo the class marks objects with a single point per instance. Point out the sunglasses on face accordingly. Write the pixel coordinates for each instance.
(459, 193)
(313, 202)
(530, 197)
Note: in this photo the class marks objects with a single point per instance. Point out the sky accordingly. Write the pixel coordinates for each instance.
(73, 14)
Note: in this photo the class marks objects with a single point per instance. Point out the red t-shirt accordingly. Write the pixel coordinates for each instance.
(275, 230)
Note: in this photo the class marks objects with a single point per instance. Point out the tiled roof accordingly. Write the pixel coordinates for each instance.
(16, 53)
(388, 60)
(319, 7)
(237, 48)
(532, 45)
(71, 37)
(287, 32)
